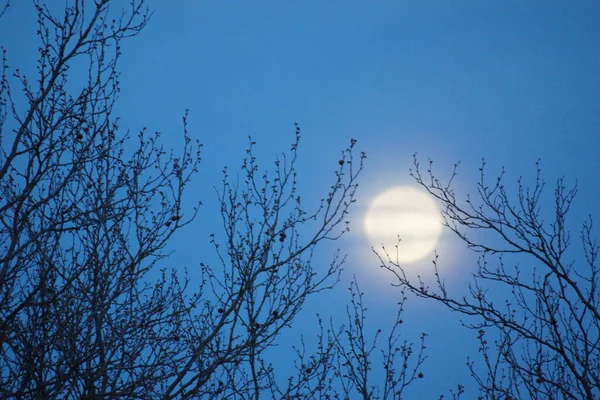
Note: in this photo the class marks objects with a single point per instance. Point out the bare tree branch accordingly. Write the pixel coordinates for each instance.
(543, 312)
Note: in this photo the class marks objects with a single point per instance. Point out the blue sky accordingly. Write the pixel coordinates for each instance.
(510, 81)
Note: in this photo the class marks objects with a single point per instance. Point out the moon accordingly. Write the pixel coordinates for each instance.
(406, 213)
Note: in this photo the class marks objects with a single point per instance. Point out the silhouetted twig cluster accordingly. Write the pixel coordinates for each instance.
(88, 309)
(537, 310)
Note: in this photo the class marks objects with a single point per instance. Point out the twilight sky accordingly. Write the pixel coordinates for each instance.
(509, 81)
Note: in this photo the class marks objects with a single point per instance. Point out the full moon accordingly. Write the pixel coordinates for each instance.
(408, 214)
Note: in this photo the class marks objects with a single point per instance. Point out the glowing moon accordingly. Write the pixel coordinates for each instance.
(409, 214)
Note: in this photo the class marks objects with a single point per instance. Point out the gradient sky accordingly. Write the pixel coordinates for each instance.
(510, 81)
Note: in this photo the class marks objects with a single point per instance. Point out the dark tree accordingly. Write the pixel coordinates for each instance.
(534, 299)
(91, 305)
(350, 361)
